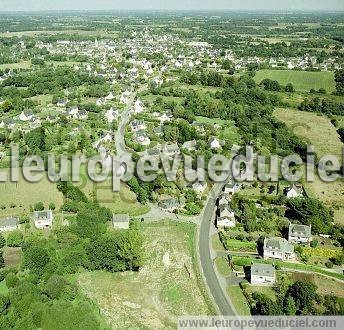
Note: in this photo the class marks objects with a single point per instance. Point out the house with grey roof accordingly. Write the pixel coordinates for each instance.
(262, 274)
(278, 248)
(120, 221)
(9, 224)
(43, 219)
(170, 204)
(299, 233)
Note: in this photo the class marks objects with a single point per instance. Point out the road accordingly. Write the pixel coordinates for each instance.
(221, 298)
(212, 280)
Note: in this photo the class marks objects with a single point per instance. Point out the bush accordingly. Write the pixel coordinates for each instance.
(39, 206)
(314, 243)
(2, 241)
(14, 239)
(329, 264)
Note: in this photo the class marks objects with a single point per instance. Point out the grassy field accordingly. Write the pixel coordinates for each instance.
(123, 201)
(317, 130)
(17, 197)
(313, 128)
(239, 301)
(228, 130)
(302, 80)
(19, 65)
(325, 285)
(161, 291)
(222, 266)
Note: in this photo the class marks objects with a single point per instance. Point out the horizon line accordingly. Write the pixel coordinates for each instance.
(286, 10)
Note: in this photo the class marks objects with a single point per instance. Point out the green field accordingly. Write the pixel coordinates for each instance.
(302, 80)
(222, 266)
(17, 197)
(161, 291)
(318, 131)
(239, 301)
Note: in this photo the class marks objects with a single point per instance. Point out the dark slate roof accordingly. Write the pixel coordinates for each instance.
(8, 222)
(263, 270)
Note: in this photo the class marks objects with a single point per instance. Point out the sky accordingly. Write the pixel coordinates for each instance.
(35, 5)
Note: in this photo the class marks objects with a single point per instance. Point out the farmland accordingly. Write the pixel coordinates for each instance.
(301, 80)
(17, 197)
(160, 292)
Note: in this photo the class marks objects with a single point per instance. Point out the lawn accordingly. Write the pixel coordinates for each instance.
(239, 301)
(161, 291)
(17, 197)
(3, 288)
(222, 266)
(19, 65)
(12, 256)
(318, 131)
(123, 201)
(238, 246)
(302, 80)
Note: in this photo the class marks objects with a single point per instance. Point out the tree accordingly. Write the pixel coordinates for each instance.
(2, 241)
(11, 280)
(264, 305)
(289, 88)
(35, 258)
(303, 294)
(2, 260)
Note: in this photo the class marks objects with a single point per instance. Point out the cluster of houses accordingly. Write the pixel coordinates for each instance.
(278, 248)
(225, 217)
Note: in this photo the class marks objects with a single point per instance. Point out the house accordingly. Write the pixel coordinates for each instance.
(62, 103)
(101, 101)
(120, 221)
(262, 274)
(9, 224)
(137, 125)
(142, 138)
(110, 97)
(278, 248)
(72, 112)
(170, 204)
(231, 188)
(299, 233)
(294, 191)
(43, 219)
(215, 143)
(111, 115)
(138, 106)
(165, 117)
(82, 114)
(26, 116)
(225, 222)
(223, 199)
(170, 150)
(199, 187)
(189, 145)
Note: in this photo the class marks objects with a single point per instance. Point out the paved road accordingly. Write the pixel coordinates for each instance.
(204, 241)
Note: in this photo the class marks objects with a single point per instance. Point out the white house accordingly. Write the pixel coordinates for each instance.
(215, 143)
(262, 274)
(138, 106)
(111, 115)
(299, 233)
(120, 221)
(294, 191)
(43, 219)
(231, 188)
(200, 187)
(110, 97)
(26, 116)
(278, 248)
(9, 224)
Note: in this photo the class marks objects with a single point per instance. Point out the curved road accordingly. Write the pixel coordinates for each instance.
(204, 241)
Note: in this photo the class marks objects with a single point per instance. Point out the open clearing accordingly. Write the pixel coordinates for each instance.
(302, 80)
(325, 285)
(161, 291)
(17, 197)
(313, 128)
(317, 130)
